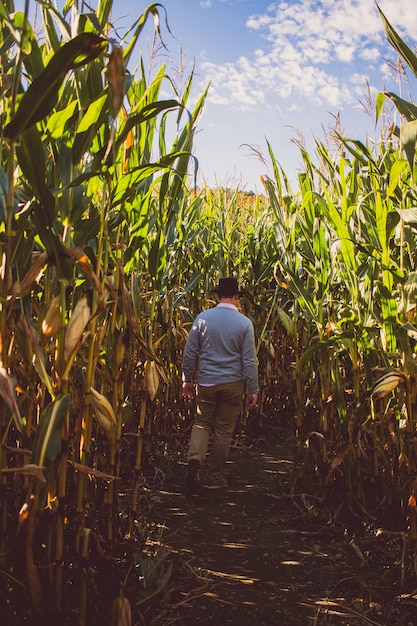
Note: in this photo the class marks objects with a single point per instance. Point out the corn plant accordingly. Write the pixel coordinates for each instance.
(347, 267)
(90, 195)
(108, 253)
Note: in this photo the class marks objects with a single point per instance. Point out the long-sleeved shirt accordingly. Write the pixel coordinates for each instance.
(223, 341)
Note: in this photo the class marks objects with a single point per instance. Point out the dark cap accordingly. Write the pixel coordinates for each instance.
(228, 287)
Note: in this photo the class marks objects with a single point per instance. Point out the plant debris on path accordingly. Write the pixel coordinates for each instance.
(258, 553)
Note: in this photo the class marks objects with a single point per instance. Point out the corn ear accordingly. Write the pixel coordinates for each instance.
(121, 611)
(52, 320)
(119, 352)
(151, 379)
(386, 384)
(76, 325)
(270, 349)
(103, 411)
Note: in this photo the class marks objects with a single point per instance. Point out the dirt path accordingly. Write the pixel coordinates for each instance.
(254, 555)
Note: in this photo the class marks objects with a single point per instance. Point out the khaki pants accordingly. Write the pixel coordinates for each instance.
(218, 408)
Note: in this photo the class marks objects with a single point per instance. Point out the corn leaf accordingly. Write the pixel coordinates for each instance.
(7, 392)
(42, 94)
(408, 135)
(47, 441)
(398, 44)
(139, 25)
(32, 161)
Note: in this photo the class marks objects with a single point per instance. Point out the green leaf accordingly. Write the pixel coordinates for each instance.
(408, 136)
(57, 121)
(51, 15)
(92, 114)
(139, 25)
(405, 108)
(32, 160)
(345, 240)
(104, 8)
(86, 229)
(87, 128)
(341, 340)
(287, 322)
(49, 28)
(147, 113)
(126, 187)
(57, 252)
(39, 365)
(157, 257)
(47, 442)
(304, 297)
(379, 105)
(362, 154)
(398, 44)
(397, 169)
(154, 576)
(42, 94)
(389, 311)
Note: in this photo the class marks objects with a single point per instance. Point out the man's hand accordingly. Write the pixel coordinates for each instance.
(188, 390)
(252, 401)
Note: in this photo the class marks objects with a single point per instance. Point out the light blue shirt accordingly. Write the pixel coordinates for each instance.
(222, 344)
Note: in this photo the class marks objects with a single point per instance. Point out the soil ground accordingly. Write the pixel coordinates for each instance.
(260, 553)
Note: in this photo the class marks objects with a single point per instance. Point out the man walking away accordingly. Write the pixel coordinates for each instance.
(221, 343)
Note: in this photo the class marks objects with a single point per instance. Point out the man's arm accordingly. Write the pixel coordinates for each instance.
(188, 390)
(250, 364)
(191, 350)
(252, 401)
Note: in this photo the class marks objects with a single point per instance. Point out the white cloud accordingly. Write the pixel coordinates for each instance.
(307, 60)
(320, 52)
(345, 53)
(369, 54)
(358, 79)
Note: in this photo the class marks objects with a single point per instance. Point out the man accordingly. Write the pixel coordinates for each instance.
(221, 343)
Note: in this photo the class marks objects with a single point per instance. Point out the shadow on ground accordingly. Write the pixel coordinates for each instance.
(257, 553)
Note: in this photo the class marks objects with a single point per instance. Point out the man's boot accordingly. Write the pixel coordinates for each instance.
(192, 480)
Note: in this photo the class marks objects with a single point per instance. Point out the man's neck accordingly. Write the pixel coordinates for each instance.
(234, 300)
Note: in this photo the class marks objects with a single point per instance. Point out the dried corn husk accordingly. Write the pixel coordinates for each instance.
(52, 320)
(103, 411)
(76, 325)
(31, 470)
(151, 379)
(116, 78)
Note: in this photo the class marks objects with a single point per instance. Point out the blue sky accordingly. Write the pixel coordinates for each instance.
(278, 71)
(282, 70)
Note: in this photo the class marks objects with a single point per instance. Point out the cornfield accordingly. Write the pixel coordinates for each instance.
(107, 254)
